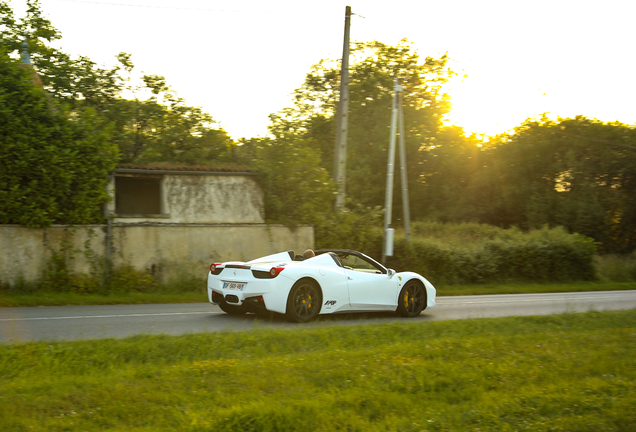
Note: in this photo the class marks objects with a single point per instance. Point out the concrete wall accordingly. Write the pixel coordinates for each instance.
(199, 197)
(164, 250)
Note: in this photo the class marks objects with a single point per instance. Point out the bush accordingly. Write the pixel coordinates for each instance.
(470, 253)
(54, 165)
(617, 268)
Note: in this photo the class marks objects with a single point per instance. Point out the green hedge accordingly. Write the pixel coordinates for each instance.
(546, 255)
(54, 164)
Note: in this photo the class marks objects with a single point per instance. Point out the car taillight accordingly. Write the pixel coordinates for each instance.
(275, 271)
(215, 268)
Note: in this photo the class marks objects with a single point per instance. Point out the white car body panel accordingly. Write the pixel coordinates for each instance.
(343, 289)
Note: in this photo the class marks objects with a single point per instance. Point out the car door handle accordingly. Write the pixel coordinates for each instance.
(349, 277)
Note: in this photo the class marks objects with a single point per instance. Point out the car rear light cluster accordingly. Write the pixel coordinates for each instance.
(264, 274)
(275, 271)
(216, 268)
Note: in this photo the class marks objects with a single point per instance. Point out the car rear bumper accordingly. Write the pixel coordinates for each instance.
(257, 296)
(254, 304)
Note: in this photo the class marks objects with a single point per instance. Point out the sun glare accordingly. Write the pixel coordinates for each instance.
(490, 106)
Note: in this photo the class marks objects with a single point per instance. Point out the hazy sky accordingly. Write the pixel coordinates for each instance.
(239, 60)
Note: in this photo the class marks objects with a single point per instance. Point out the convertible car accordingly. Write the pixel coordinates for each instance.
(333, 281)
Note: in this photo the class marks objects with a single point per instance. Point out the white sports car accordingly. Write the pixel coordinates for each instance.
(335, 280)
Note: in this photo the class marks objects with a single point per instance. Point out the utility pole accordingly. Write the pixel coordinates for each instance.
(406, 211)
(387, 249)
(340, 150)
(396, 116)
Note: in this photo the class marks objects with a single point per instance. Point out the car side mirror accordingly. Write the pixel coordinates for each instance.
(391, 273)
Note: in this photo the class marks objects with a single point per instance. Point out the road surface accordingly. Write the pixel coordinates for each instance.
(96, 322)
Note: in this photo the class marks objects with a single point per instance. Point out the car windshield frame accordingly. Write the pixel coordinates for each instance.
(344, 255)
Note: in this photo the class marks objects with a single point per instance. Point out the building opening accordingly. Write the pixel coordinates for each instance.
(138, 195)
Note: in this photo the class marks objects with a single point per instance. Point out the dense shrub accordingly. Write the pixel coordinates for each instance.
(617, 268)
(470, 253)
(54, 165)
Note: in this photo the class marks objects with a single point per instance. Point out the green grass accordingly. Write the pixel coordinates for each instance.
(572, 372)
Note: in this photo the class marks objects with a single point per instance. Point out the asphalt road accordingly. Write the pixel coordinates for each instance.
(97, 322)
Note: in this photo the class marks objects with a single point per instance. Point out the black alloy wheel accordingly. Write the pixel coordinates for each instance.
(412, 299)
(304, 302)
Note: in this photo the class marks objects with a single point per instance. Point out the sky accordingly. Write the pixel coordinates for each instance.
(240, 60)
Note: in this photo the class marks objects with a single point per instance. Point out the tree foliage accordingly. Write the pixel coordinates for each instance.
(308, 128)
(155, 125)
(76, 82)
(61, 141)
(297, 189)
(162, 128)
(577, 173)
(373, 68)
(54, 164)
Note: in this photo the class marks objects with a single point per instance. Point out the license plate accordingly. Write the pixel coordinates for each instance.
(234, 286)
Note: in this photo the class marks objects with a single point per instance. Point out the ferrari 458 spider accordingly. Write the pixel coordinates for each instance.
(335, 280)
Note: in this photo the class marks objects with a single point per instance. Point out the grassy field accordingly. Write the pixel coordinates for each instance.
(572, 372)
(47, 298)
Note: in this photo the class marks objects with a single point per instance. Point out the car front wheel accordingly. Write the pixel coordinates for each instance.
(305, 299)
(412, 300)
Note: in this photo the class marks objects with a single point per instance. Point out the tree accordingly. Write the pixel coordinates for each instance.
(297, 189)
(448, 165)
(75, 82)
(60, 142)
(54, 166)
(578, 173)
(162, 128)
(372, 72)
(158, 128)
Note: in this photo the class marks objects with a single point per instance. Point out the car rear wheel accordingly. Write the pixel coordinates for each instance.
(304, 302)
(232, 310)
(412, 300)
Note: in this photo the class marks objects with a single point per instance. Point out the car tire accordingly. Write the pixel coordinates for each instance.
(412, 299)
(304, 301)
(232, 310)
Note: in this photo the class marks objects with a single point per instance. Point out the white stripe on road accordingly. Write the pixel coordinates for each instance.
(444, 301)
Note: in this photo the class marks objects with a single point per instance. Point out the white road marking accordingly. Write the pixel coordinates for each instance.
(535, 300)
(109, 316)
(530, 298)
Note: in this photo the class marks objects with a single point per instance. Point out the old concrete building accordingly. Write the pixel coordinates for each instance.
(184, 196)
(169, 222)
